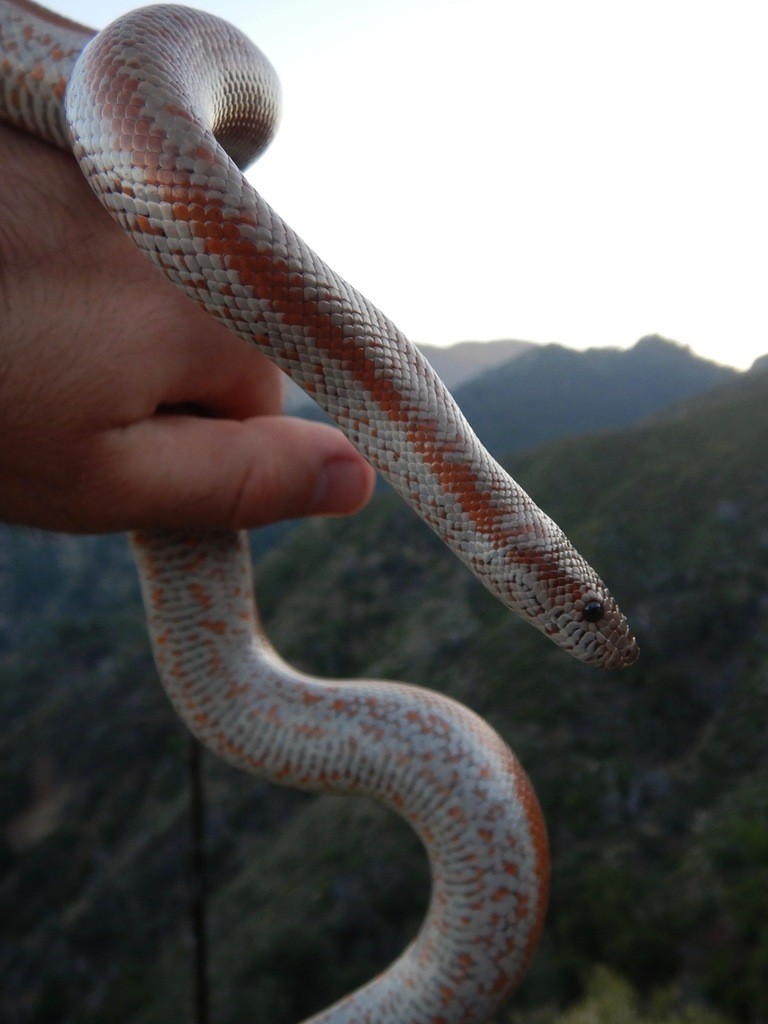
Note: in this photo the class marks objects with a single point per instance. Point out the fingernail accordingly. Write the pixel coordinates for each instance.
(341, 487)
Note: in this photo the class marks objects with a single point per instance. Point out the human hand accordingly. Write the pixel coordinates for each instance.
(100, 355)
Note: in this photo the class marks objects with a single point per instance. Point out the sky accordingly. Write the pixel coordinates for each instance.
(581, 172)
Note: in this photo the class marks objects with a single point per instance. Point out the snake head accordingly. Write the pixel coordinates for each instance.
(591, 626)
(551, 586)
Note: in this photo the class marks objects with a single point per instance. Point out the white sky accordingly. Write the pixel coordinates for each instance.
(581, 171)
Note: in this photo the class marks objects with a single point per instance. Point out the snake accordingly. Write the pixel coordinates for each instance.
(163, 110)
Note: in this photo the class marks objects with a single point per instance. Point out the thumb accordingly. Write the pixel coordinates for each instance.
(180, 470)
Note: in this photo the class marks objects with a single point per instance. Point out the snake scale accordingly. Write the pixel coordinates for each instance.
(162, 109)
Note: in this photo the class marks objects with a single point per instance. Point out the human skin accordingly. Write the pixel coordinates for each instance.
(122, 404)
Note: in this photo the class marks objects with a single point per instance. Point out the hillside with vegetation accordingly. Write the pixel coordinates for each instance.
(654, 782)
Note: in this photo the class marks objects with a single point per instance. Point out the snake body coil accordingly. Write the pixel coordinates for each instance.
(162, 108)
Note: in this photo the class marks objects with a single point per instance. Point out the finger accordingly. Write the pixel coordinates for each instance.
(185, 470)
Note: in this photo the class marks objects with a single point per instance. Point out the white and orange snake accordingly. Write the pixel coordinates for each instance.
(161, 109)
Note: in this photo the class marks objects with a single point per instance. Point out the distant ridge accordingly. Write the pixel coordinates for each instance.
(517, 394)
(551, 391)
(459, 363)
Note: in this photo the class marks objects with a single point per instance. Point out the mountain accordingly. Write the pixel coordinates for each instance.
(459, 363)
(544, 392)
(654, 782)
(581, 392)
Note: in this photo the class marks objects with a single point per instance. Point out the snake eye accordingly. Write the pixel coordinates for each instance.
(593, 611)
